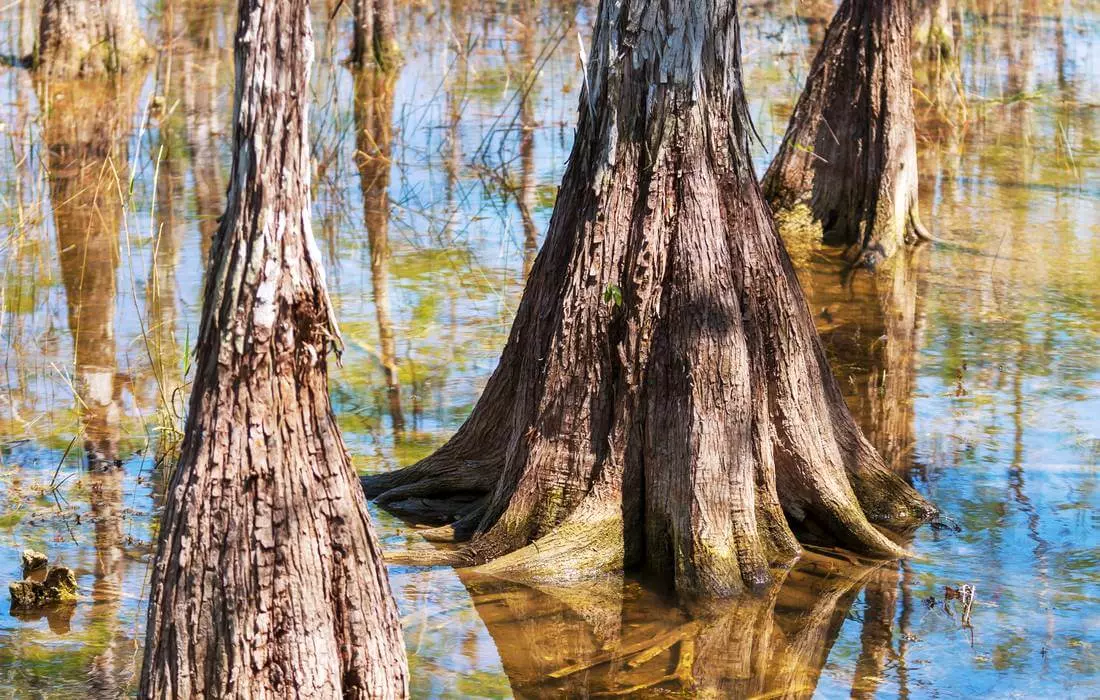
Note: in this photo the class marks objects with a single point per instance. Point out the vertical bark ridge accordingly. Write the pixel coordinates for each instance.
(667, 399)
(849, 154)
(268, 580)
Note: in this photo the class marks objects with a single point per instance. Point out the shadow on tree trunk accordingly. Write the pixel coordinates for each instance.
(663, 402)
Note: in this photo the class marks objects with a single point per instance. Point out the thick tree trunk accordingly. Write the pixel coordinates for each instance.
(663, 400)
(86, 133)
(374, 143)
(268, 580)
(850, 154)
(82, 38)
(374, 34)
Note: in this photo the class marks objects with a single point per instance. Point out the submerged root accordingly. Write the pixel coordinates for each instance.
(431, 478)
(580, 548)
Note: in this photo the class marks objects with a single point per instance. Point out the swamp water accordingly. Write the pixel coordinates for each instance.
(973, 365)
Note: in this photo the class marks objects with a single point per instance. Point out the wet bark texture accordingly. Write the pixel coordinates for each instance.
(83, 38)
(268, 580)
(374, 34)
(373, 113)
(850, 153)
(663, 401)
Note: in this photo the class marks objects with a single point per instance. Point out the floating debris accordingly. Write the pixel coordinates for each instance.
(965, 595)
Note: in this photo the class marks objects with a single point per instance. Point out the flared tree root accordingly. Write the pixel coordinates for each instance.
(663, 401)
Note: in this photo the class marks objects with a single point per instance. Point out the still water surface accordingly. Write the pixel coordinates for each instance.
(974, 365)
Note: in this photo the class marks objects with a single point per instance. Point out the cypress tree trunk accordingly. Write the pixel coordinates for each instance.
(663, 401)
(374, 34)
(850, 152)
(82, 38)
(374, 144)
(268, 580)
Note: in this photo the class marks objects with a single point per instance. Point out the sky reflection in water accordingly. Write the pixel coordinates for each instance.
(974, 366)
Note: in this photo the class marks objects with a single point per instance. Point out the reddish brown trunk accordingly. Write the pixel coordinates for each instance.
(268, 580)
(663, 400)
(850, 154)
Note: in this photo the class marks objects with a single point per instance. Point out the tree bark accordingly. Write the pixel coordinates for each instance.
(268, 580)
(374, 34)
(374, 143)
(663, 401)
(83, 38)
(850, 152)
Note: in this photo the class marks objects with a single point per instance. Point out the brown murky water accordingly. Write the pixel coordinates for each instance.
(974, 365)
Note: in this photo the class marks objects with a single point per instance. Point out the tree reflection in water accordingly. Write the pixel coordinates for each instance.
(618, 637)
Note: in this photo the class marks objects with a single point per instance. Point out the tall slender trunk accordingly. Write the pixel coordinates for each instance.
(850, 153)
(663, 400)
(82, 38)
(374, 34)
(374, 145)
(268, 580)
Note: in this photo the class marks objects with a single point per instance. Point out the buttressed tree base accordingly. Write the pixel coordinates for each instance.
(268, 581)
(850, 152)
(663, 401)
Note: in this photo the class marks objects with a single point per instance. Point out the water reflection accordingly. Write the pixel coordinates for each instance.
(618, 638)
(870, 324)
(374, 147)
(86, 135)
(971, 366)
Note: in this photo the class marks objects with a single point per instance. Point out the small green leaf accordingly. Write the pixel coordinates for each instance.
(613, 295)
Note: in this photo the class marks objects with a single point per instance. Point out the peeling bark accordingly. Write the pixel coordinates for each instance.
(850, 151)
(663, 401)
(83, 38)
(268, 580)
